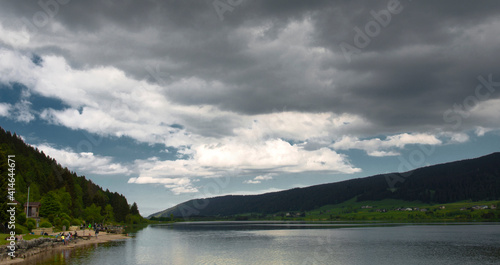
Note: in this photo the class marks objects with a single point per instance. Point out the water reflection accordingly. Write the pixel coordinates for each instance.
(68, 255)
(258, 243)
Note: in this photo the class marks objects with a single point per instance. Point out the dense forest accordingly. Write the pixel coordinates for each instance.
(63, 194)
(473, 179)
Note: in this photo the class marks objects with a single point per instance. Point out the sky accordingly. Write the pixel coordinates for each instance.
(166, 101)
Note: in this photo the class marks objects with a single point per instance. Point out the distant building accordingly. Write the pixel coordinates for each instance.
(33, 209)
(442, 207)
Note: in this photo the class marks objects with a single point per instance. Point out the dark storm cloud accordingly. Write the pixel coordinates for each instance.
(427, 58)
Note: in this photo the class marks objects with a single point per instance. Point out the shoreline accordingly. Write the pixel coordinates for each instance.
(102, 237)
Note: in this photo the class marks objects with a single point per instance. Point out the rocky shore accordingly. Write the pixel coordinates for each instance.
(32, 248)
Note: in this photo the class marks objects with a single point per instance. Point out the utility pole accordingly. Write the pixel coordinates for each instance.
(28, 204)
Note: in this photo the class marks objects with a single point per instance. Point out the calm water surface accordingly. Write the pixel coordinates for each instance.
(271, 243)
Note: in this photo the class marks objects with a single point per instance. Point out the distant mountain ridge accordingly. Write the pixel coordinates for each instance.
(471, 179)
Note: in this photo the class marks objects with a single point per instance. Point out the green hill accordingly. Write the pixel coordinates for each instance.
(63, 194)
(474, 179)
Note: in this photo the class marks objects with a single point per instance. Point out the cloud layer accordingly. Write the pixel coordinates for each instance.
(266, 87)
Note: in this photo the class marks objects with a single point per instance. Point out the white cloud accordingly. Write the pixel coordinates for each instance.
(215, 160)
(22, 111)
(107, 102)
(455, 137)
(175, 175)
(176, 185)
(258, 179)
(488, 111)
(299, 126)
(84, 161)
(480, 131)
(16, 67)
(183, 189)
(155, 169)
(4, 109)
(379, 147)
(251, 181)
(18, 38)
(253, 192)
(272, 155)
(382, 153)
(264, 177)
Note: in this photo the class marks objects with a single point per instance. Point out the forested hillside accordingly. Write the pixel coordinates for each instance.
(61, 192)
(473, 179)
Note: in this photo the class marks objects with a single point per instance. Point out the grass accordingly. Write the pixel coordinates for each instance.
(351, 210)
(25, 237)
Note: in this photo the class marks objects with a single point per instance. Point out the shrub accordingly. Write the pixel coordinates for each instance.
(46, 224)
(57, 221)
(21, 218)
(66, 223)
(64, 216)
(76, 222)
(51, 218)
(30, 224)
(133, 219)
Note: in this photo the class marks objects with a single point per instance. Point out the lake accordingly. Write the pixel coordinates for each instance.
(295, 243)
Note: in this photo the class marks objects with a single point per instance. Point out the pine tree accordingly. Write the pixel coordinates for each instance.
(134, 210)
(50, 204)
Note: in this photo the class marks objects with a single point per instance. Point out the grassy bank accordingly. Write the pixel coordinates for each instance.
(25, 237)
(397, 210)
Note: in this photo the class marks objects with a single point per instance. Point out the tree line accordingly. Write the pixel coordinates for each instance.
(62, 193)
